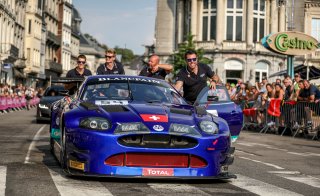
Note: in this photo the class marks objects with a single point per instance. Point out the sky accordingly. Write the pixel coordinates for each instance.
(124, 23)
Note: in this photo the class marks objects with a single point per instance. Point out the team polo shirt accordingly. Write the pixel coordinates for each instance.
(160, 74)
(194, 83)
(117, 69)
(73, 73)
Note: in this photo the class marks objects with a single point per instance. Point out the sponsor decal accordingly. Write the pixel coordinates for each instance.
(157, 172)
(76, 165)
(111, 102)
(129, 79)
(213, 112)
(154, 118)
(158, 128)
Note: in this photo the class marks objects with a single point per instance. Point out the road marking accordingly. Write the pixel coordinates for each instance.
(3, 177)
(71, 187)
(237, 150)
(259, 187)
(298, 177)
(264, 163)
(177, 189)
(33, 143)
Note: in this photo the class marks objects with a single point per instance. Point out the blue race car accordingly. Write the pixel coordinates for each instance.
(131, 126)
(218, 103)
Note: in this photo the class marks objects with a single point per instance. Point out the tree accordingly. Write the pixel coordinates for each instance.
(178, 59)
(127, 54)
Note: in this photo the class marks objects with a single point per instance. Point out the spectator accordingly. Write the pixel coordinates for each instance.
(29, 96)
(217, 79)
(193, 78)
(313, 92)
(278, 81)
(233, 91)
(288, 95)
(278, 91)
(156, 70)
(111, 66)
(295, 86)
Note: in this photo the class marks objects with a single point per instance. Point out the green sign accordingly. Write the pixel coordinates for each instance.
(291, 43)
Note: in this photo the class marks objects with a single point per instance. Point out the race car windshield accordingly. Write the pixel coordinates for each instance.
(133, 91)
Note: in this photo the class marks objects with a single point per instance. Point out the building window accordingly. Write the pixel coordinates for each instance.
(315, 28)
(261, 69)
(29, 27)
(209, 20)
(234, 31)
(259, 20)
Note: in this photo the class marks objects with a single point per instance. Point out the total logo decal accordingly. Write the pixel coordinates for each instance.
(158, 128)
(157, 172)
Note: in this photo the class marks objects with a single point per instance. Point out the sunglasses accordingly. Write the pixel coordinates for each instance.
(192, 60)
(109, 56)
(81, 62)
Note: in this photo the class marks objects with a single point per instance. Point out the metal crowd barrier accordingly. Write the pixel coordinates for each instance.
(301, 118)
(9, 103)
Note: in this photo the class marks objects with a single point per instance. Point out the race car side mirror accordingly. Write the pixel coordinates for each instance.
(64, 93)
(212, 98)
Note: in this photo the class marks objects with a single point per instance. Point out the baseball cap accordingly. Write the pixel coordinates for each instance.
(296, 75)
(232, 85)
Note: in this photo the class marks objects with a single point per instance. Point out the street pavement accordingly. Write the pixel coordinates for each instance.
(266, 164)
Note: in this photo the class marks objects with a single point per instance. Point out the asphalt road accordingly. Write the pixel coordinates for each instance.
(265, 164)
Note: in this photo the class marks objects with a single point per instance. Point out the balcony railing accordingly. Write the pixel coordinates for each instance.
(53, 38)
(53, 66)
(7, 49)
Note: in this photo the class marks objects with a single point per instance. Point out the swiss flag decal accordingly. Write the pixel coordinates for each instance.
(154, 118)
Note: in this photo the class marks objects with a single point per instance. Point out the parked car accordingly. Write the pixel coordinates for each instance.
(51, 94)
(133, 126)
(218, 103)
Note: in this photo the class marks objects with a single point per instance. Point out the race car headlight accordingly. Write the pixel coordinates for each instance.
(43, 106)
(180, 129)
(135, 127)
(209, 127)
(95, 123)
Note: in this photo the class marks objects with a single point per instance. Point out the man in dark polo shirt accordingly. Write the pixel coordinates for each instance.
(193, 78)
(313, 91)
(111, 66)
(79, 72)
(154, 69)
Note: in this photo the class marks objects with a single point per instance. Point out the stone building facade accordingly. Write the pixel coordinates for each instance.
(229, 31)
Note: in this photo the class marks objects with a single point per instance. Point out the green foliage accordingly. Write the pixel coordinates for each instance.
(178, 59)
(127, 54)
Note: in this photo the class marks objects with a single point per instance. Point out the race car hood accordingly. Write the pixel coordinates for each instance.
(151, 113)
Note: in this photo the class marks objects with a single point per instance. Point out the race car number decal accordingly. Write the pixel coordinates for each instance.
(154, 118)
(157, 172)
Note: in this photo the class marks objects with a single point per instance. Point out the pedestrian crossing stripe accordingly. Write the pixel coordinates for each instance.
(260, 188)
(72, 187)
(298, 177)
(3, 177)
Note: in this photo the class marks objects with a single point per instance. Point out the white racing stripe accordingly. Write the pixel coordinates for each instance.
(177, 189)
(259, 187)
(3, 177)
(33, 143)
(71, 187)
(298, 177)
(264, 163)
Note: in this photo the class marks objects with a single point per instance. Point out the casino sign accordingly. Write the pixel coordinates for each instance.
(291, 43)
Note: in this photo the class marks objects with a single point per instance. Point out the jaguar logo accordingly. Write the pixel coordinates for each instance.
(158, 128)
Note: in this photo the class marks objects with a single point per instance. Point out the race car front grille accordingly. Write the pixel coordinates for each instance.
(157, 141)
(156, 160)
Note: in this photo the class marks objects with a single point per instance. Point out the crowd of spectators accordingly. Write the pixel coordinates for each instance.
(7, 91)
